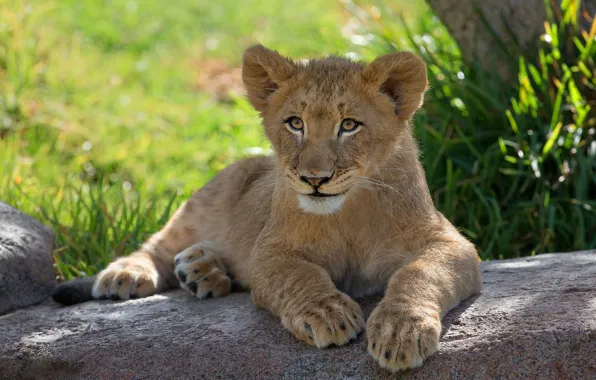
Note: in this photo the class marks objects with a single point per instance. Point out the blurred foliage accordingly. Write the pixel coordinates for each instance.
(103, 127)
(101, 119)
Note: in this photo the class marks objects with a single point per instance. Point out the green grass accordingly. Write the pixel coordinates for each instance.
(103, 132)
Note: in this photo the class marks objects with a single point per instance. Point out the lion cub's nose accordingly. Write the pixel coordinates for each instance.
(315, 181)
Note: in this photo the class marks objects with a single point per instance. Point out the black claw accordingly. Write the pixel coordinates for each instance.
(192, 287)
(387, 354)
(374, 346)
(114, 297)
(181, 276)
(342, 325)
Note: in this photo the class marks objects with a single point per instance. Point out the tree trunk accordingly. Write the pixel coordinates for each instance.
(491, 32)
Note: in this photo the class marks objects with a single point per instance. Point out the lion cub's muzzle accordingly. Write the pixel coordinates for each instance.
(316, 183)
(318, 195)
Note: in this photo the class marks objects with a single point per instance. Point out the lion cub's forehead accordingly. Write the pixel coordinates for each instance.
(326, 87)
(328, 75)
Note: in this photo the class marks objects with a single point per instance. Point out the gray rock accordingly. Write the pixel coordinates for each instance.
(536, 319)
(26, 266)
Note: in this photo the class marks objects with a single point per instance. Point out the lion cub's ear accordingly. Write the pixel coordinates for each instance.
(263, 70)
(402, 77)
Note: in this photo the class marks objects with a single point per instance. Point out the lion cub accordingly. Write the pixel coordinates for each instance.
(341, 210)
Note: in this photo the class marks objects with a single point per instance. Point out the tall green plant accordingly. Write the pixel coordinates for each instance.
(553, 121)
(512, 165)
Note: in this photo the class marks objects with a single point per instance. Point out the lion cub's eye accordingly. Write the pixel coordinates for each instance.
(349, 126)
(295, 124)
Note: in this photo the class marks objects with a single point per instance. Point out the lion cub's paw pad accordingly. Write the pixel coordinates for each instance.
(332, 320)
(399, 338)
(201, 273)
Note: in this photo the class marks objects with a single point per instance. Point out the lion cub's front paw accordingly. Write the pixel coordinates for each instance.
(401, 337)
(332, 319)
(200, 272)
(128, 277)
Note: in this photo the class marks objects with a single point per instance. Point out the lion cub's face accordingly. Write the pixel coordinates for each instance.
(334, 123)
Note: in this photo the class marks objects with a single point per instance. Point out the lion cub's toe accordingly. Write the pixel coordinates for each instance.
(334, 319)
(402, 337)
(200, 272)
(126, 278)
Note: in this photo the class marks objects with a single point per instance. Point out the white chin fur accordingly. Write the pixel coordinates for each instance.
(321, 205)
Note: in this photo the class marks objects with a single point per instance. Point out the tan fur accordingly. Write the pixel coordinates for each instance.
(249, 226)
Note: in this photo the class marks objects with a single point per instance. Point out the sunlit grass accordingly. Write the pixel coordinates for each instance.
(102, 129)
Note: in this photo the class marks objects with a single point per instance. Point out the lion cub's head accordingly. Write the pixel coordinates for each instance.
(333, 122)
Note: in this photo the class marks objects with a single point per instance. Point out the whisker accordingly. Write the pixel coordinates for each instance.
(378, 183)
(392, 169)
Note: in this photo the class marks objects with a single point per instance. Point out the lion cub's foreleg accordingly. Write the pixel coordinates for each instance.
(151, 269)
(303, 295)
(405, 327)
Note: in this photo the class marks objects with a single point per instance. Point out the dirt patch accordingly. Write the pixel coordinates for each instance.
(218, 78)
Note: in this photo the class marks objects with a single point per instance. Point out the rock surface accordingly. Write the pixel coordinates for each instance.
(26, 266)
(535, 319)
